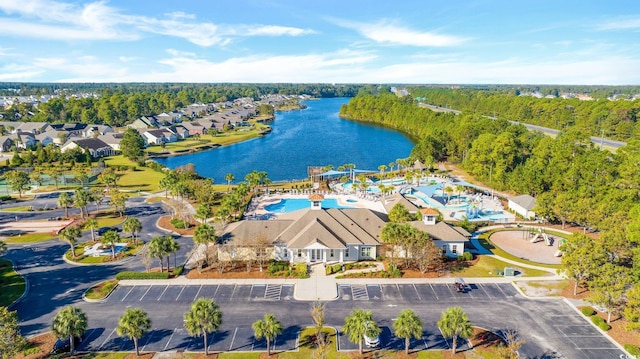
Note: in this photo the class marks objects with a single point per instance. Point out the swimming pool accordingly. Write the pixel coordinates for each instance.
(287, 205)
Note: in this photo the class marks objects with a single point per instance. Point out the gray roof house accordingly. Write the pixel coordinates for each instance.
(523, 205)
(318, 235)
(97, 148)
(450, 239)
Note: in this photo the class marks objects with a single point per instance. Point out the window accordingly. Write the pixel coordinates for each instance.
(346, 253)
(299, 253)
(454, 249)
(365, 252)
(286, 251)
(444, 249)
(331, 253)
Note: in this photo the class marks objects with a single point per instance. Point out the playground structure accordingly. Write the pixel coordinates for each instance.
(539, 236)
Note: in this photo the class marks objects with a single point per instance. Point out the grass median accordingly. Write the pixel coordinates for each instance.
(12, 285)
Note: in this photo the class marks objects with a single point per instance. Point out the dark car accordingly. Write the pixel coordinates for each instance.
(63, 345)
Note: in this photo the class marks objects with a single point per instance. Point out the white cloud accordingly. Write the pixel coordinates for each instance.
(627, 23)
(127, 58)
(17, 72)
(82, 69)
(387, 32)
(98, 21)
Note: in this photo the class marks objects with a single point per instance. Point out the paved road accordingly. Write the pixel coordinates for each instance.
(550, 327)
(53, 283)
(597, 140)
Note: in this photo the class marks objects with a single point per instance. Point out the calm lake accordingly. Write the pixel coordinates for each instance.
(315, 136)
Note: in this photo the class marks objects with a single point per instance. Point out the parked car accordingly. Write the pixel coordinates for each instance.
(461, 287)
(63, 345)
(371, 341)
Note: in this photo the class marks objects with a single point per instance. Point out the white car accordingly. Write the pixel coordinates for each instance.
(372, 342)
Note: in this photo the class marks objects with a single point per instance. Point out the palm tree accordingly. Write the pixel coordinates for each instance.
(454, 323)
(358, 324)
(134, 323)
(459, 189)
(229, 177)
(172, 247)
(204, 234)
(70, 322)
(64, 200)
(448, 190)
(407, 325)
(132, 225)
(91, 224)
(392, 165)
(110, 238)
(269, 328)
(81, 199)
(157, 249)
(382, 168)
(203, 318)
(71, 235)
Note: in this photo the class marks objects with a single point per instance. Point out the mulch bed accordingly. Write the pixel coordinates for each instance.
(165, 223)
(239, 272)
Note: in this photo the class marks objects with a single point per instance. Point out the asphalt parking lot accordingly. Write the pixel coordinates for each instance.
(551, 327)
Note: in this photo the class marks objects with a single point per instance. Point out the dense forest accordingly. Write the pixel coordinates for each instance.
(120, 104)
(614, 119)
(572, 180)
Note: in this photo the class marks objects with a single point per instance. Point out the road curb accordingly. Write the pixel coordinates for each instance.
(26, 285)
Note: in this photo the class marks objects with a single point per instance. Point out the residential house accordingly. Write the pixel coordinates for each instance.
(32, 127)
(97, 130)
(158, 137)
(450, 239)
(194, 128)
(24, 140)
(72, 129)
(523, 205)
(179, 131)
(96, 147)
(145, 122)
(112, 139)
(5, 143)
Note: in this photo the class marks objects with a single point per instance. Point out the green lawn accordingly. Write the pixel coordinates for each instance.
(307, 348)
(138, 178)
(12, 285)
(30, 238)
(487, 266)
(101, 290)
(488, 245)
(16, 209)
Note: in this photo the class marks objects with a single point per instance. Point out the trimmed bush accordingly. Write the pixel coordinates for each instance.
(142, 275)
(600, 323)
(178, 270)
(178, 223)
(468, 256)
(633, 350)
(588, 311)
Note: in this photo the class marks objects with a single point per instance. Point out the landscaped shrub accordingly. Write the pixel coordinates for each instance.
(142, 275)
(277, 266)
(5, 198)
(633, 350)
(178, 223)
(468, 256)
(301, 268)
(600, 323)
(178, 270)
(588, 311)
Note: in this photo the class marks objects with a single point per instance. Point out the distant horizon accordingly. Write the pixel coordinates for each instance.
(284, 41)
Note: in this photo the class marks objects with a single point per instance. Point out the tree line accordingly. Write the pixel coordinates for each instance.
(120, 104)
(614, 119)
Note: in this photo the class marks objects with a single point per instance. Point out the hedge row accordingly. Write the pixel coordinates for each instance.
(633, 350)
(588, 311)
(142, 275)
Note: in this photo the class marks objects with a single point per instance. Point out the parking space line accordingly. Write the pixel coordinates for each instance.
(399, 292)
(234, 338)
(434, 291)
(500, 289)
(216, 291)
(126, 295)
(445, 339)
(145, 293)
(418, 293)
(426, 346)
(169, 341)
(232, 293)
(485, 291)
(148, 340)
(181, 290)
(106, 340)
(196, 297)
(161, 294)
(273, 291)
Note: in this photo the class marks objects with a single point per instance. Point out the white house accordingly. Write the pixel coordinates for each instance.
(97, 148)
(318, 235)
(523, 205)
(448, 238)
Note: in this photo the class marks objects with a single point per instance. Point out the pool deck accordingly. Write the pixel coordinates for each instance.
(256, 209)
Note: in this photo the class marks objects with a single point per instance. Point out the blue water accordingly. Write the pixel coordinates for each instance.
(315, 136)
(293, 204)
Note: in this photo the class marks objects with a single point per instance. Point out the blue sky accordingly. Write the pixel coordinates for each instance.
(347, 41)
